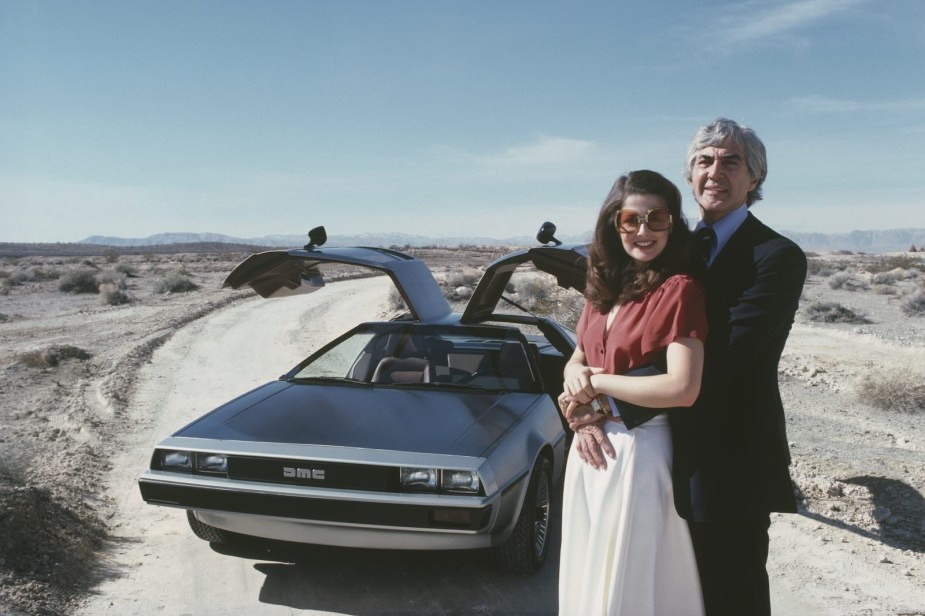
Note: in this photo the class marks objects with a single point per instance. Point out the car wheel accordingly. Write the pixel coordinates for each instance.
(206, 532)
(525, 551)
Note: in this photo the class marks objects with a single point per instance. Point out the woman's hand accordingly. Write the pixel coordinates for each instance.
(577, 382)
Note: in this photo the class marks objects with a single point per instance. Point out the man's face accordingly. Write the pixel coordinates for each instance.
(720, 180)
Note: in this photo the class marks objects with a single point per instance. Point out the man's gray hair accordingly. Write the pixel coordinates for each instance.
(724, 130)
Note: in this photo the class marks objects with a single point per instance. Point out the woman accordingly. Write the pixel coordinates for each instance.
(625, 550)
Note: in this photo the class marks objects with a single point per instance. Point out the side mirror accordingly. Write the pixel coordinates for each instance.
(316, 237)
(546, 234)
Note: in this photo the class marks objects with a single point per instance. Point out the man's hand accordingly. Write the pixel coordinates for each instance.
(592, 444)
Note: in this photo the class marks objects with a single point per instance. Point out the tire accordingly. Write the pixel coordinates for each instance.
(206, 532)
(525, 551)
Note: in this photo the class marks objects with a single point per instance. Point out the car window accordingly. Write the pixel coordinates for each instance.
(339, 360)
(416, 355)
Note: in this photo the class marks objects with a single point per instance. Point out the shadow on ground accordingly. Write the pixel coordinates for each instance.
(367, 582)
(900, 505)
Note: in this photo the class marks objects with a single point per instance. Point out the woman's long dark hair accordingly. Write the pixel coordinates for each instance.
(612, 276)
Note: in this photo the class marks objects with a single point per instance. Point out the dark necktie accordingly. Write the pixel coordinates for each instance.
(704, 239)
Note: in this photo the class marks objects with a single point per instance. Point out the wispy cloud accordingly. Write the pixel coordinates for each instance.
(756, 22)
(543, 151)
(823, 104)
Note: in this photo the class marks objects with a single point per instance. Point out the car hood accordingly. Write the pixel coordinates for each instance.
(415, 420)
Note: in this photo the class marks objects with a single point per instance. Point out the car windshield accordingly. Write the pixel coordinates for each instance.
(407, 354)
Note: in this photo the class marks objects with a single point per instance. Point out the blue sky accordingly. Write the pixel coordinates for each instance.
(444, 118)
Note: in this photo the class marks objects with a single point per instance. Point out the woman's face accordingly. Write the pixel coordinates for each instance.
(643, 244)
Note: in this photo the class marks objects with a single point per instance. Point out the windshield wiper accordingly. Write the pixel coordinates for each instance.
(332, 380)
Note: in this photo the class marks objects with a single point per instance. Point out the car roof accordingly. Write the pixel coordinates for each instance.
(279, 273)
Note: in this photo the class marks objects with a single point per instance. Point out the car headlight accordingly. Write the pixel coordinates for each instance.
(172, 460)
(434, 479)
(182, 461)
(460, 481)
(419, 478)
(212, 462)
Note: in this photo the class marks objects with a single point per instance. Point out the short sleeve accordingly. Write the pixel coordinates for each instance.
(678, 311)
(582, 324)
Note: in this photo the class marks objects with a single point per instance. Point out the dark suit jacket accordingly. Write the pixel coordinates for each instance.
(731, 452)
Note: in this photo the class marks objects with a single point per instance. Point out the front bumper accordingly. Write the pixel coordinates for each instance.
(349, 518)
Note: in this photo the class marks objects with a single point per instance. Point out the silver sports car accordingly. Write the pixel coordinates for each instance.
(435, 430)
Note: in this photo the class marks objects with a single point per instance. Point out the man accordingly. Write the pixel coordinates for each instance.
(731, 466)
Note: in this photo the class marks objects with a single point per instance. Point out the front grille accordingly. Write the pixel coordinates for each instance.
(316, 474)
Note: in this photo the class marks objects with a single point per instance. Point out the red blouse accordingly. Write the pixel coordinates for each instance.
(643, 329)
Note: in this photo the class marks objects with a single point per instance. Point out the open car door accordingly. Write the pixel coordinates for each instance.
(280, 273)
(568, 263)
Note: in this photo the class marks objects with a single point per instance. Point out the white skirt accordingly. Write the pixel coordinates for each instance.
(625, 550)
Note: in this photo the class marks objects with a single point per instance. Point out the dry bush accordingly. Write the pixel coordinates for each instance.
(914, 305)
(175, 282)
(126, 269)
(832, 312)
(113, 295)
(534, 292)
(113, 279)
(895, 262)
(900, 390)
(52, 356)
(849, 280)
(466, 277)
(79, 281)
(396, 302)
(32, 274)
(823, 268)
(885, 289)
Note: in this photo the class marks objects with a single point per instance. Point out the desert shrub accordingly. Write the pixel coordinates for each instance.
(395, 301)
(114, 279)
(52, 356)
(19, 277)
(33, 274)
(893, 262)
(468, 277)
(126, 269)
(898, 390)
(111, 255)
(823, 268)
(78, 281)
(175, 282)
(831, 312)
(113, 295)
(570, 306)
(884, 289)
(533, 292)
(5, 318)
(888, 278)
(848, 280)
(914, 305)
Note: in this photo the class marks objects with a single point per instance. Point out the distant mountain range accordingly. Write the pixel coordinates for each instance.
(889, 240)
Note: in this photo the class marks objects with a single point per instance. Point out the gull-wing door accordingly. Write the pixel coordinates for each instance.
(568, 263)
(280, 273)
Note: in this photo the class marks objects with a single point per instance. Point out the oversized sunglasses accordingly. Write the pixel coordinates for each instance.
(656, 219)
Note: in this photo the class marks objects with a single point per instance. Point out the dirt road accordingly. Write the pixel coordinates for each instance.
(819, 565)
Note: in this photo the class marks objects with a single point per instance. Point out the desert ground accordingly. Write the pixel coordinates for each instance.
(89, 381)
